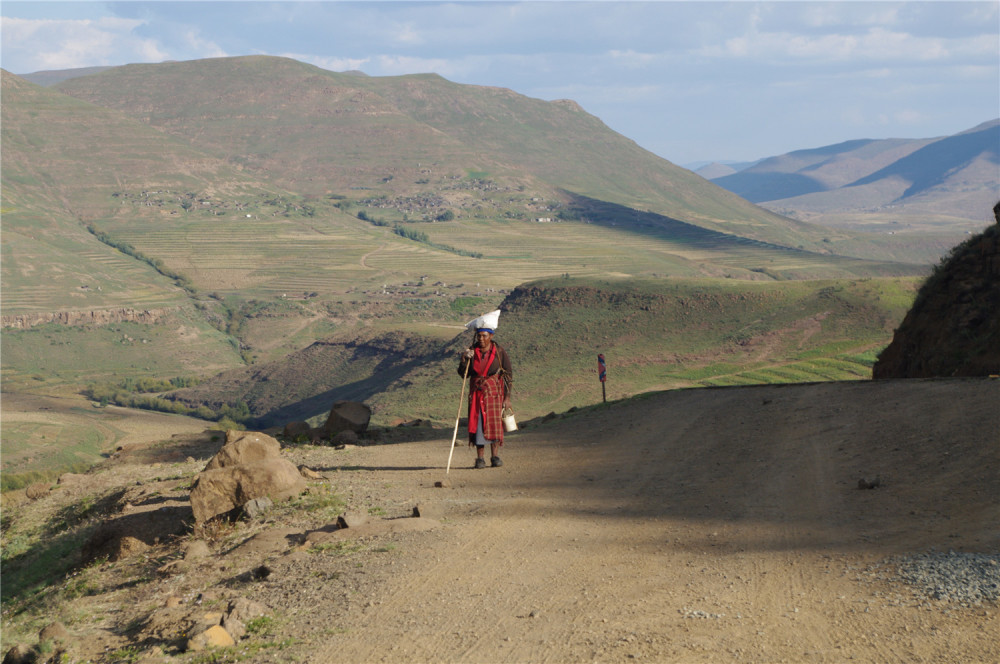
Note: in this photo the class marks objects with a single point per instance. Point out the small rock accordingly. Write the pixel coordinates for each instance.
(19, 654)
(347, 437)
(245, 609)
(309, 473)
(442, 484)
(213, 637)
(351, 519)
(870, 484)
(428, 511)
(295, 430)
(257, 507)
(37, 490)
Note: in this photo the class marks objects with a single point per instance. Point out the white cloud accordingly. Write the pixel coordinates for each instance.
(874, 44)
(204, 47)
(38, 44)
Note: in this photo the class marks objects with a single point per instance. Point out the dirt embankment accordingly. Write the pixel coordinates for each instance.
(686, 526)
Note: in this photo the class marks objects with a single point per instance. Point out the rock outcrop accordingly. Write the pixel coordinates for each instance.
(953, 327)
(248, 466)
(92, 317)
(347, 416)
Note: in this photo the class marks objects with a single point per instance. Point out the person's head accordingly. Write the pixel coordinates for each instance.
(484, 337)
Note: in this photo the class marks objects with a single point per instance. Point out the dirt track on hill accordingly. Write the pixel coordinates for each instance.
(701, 525)
(695, 526)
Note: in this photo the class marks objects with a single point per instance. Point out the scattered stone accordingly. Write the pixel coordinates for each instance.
(296, 430)
(37, 490)
(964, 578)
(260, 573)
(241, 611)
(213, 637)
(351, 519)
(347, 437)
(256, 508)
(870, 484)
(309, 473)
(428, 511)
(19, 654)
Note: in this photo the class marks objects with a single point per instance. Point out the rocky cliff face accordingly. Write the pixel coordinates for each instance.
(95, 317)
(953, 328)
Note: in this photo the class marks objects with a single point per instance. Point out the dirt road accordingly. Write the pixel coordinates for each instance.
(709, 525)
(694, 526)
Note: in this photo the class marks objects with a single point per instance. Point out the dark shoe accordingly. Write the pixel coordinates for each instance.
(496, 462)
(480, 463)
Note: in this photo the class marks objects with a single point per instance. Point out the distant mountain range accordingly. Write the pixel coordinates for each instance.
(953, 176)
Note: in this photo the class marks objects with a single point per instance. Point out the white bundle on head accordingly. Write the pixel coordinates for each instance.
(485, 322)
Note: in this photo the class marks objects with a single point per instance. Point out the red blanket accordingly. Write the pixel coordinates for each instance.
(488, 400)
(486, 397)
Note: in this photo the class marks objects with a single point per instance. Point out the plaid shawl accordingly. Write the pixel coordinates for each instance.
(486, 396)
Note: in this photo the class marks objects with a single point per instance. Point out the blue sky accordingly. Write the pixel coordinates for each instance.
(689, 81)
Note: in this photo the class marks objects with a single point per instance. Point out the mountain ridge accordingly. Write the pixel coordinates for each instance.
(957, 176)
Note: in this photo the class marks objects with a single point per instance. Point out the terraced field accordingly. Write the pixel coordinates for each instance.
(333, 253)
(46, 271)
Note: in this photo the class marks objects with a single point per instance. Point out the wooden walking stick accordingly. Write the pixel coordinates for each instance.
(461, 398)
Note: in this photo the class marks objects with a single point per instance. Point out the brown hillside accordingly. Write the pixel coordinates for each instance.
(953, 328)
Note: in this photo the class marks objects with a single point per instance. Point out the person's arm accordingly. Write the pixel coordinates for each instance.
(464, 360)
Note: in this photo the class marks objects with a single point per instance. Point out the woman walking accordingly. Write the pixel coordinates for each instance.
(490, 373)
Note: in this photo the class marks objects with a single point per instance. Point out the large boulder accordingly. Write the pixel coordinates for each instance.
(347, 416)
(243, 447)
(249, 466)
(218, 491)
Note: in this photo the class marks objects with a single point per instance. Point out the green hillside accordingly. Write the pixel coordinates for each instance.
(318, 133)
(655, 334)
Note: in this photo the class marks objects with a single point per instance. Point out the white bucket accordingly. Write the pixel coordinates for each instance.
(509, 423)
